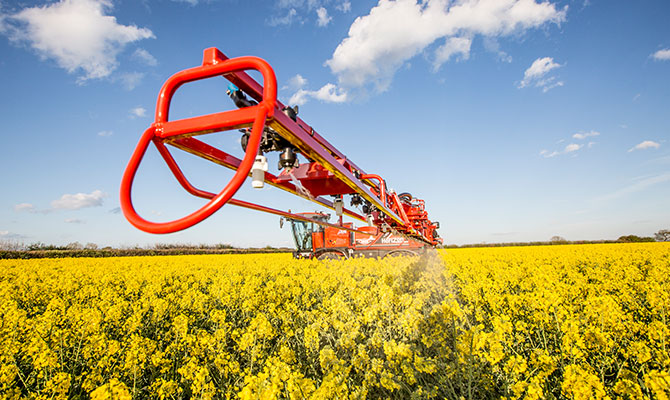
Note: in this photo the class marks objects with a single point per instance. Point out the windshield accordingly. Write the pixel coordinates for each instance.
(302, 234)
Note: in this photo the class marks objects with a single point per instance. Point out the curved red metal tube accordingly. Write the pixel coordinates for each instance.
(381, 185)
(219, 66)
(214, 64)
(205, 211)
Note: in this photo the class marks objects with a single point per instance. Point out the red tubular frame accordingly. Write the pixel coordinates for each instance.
(179, 175)
(267, 113)
(162, 129)
(381, 185)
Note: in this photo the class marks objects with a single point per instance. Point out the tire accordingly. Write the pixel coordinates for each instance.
(331, 255)
(401, 253)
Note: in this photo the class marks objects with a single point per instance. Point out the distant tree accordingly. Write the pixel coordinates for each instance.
(91, 246)
(36, 246)
(635, 239)
(663, 235)
(74, 246)
(557, 239)
(11, 245)
(43, 246)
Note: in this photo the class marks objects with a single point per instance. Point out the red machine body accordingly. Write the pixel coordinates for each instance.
(269, 126)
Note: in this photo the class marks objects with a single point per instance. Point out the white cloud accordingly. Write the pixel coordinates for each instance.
(452, 45)
(300, 97)
(291, 3)
(584, 135)
(74, 221)
(636, 187)
(28, 207)
(647, 144)
(297, 82)
(549, 84)
(138, 112)
(3, 24)
(145, 57)
(79, 200)
(285, 20)
(535, 74)
(67, 202)
(329, 93)
(539, 68)
(547, 154)
(663, 54)
(379, 43)
(24, 207)
(323, 17)
(131, 80)
(77, 34)
(105, 133)
(572, 147)
(345, 6)
(492, 45)
(7, 235)
(308, 5)
(189, 2)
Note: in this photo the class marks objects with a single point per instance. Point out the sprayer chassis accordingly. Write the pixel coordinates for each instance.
(313, 241)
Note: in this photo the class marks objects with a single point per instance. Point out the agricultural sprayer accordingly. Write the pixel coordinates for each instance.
(397, 222)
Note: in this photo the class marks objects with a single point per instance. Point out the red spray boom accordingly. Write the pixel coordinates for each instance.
(268, 126)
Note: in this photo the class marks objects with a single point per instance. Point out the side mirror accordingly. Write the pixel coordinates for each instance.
(281, 222)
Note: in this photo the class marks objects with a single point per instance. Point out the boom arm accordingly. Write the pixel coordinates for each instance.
(268, 126)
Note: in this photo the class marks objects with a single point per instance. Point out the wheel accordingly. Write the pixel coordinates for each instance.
(331, 255)
(402, 252)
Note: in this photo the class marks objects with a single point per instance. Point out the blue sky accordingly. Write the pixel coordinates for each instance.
(516, 120)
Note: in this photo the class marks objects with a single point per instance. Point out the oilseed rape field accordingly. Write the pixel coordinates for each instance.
(552, 322)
